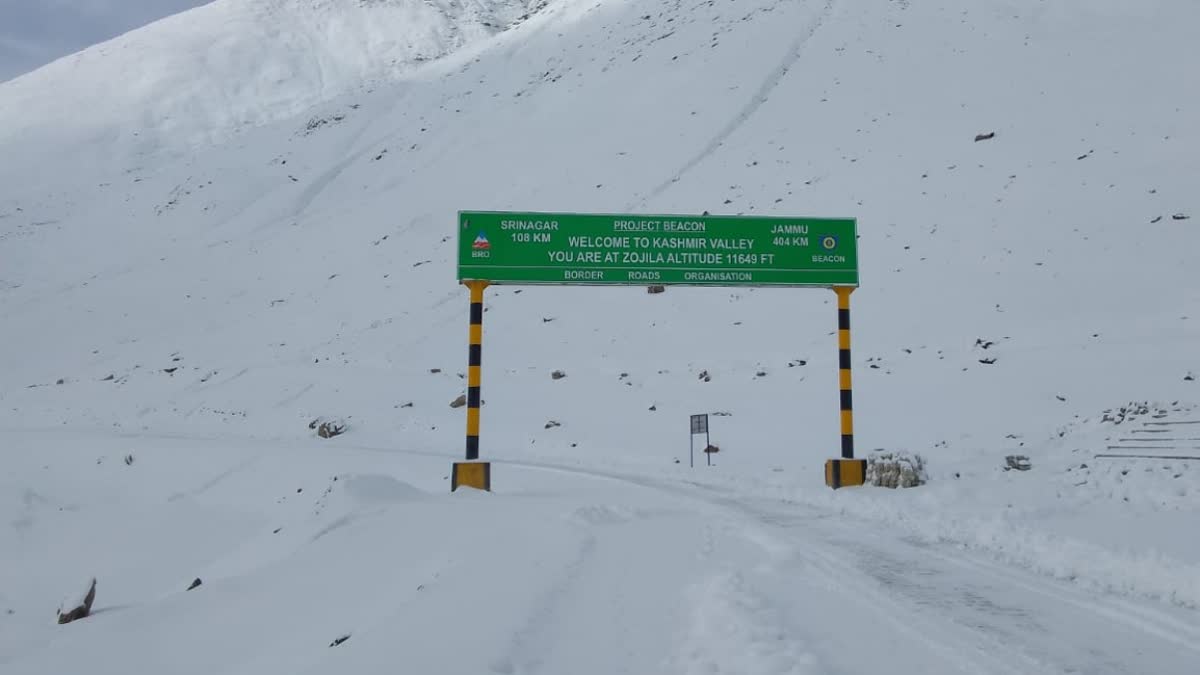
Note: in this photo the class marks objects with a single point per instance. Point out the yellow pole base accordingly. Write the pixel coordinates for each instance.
(476, 475)
(841, 473)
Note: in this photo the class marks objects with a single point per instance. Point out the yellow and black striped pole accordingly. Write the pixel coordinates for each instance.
(846, 470)
(844, 384)
(473, 473)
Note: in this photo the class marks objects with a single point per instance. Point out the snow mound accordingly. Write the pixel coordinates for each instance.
(200, 75)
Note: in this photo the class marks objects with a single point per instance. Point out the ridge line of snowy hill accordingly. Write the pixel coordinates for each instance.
(203, 74)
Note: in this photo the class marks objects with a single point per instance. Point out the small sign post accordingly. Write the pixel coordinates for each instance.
(699, 426)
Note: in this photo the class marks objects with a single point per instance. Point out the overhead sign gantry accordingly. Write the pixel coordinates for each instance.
(628, 249)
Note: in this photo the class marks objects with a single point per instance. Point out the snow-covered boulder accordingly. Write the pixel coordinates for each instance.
(886, 468)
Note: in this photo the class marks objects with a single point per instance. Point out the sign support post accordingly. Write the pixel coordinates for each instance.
(846, 470)
(699, 426)
(473, 473)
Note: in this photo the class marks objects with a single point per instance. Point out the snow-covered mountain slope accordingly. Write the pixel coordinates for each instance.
(1013, 288)
(265, 258)
(204, 73)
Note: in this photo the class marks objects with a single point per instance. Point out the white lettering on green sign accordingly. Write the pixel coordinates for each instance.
(629, 249)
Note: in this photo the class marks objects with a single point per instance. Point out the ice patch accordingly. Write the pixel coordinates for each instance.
(604, 515)
(380, 489)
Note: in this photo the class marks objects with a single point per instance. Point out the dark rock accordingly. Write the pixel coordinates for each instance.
(1180, 216)
(331, 429)
(435, 371)
(653, 408)
(653, 290)
(82, 610)
(987, 362)
(128, 460)
(339, 640)
(985, 137)
(557, 375)
(459, 402)
(195, 584)
(704, 376)
(168, 371)
(407, 405)
(61, 381)
(552, 424)
(110, 378)
(1018, 462)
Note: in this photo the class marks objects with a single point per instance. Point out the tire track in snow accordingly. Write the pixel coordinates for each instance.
(1138, 618)
(772, 81)
(524, 656)
(977, 623)
(735, 629)
(215, 480)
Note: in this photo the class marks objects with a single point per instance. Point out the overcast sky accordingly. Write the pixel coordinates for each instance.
(35, 32)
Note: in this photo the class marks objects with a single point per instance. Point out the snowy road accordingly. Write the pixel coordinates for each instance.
(858, 597)
(560, 570)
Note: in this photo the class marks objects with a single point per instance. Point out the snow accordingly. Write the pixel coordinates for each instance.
(202, 74)
(76, 598)
(255, 230)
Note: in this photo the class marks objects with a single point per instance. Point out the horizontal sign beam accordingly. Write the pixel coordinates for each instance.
(609, 249)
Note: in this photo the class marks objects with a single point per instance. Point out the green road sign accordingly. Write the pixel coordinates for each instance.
(573, 248)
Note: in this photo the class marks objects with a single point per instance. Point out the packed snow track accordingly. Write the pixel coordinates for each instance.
(562, 569)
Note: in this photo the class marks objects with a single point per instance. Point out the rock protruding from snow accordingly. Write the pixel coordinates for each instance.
(339, 640)
(76, 607)
(1017, 462)
(331, 428)
(895, 469)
